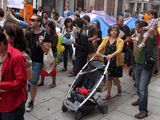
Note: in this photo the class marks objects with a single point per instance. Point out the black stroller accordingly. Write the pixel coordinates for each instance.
(90, 77)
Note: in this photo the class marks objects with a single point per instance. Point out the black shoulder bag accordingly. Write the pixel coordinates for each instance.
(150, 60)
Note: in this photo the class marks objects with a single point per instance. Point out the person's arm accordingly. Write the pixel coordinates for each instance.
(134, 47)
(45, 45)
(128, 39)
(20, 82)
(94, 35)
(128, 35)
(151, 23)
(83, 45)
(60, 25)
(102, 46)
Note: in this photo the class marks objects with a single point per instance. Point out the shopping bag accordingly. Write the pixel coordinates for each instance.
(48, 61)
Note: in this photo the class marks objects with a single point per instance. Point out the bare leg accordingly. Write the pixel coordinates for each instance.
(117, 82)
(42, 81)
(33, 91)
(109, 86)
(53, 82)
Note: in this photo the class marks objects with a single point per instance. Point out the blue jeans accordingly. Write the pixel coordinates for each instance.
(143, 77)
(36, 72)
(68, 49)
(16, 114)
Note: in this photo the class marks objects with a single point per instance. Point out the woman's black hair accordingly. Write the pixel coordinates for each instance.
(98, 24)
(66, 21)
(52, 26)
(110, 29)
(20, 42)
(3, 38)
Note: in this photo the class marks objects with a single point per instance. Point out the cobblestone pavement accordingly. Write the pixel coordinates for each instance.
(48, 101)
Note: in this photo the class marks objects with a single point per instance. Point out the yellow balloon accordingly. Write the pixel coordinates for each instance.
(62, 48)
(59, 42)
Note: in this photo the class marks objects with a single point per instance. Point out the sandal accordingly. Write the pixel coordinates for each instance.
(136, 103)
(106, 97)
(140, 115)
(40, 84)
(119, 92)
(52, 86)
(63, 69)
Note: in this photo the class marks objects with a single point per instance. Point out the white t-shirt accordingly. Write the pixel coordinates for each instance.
(2, 23)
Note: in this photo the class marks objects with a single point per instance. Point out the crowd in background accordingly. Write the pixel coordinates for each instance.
(82, 41)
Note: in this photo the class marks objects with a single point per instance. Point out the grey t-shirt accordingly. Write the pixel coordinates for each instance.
(1, 64)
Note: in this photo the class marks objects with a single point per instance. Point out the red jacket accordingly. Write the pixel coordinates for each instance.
(13, 79)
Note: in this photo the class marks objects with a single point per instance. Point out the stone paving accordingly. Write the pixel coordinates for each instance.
(48, 101)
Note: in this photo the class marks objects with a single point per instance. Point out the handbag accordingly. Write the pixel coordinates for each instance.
(48, 61)
(150, 62)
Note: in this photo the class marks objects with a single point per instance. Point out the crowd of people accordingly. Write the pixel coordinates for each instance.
(22, 51)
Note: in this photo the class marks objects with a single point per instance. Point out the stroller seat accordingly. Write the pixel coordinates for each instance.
(88, 82)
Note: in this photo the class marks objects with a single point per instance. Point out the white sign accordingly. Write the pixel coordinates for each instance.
(15, 4)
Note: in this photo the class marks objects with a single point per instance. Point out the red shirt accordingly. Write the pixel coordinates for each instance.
(158, 38)
(13, 79)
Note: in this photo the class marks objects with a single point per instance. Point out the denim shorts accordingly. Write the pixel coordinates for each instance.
(36, 72)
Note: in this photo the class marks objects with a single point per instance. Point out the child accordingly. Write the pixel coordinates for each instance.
(152, 15)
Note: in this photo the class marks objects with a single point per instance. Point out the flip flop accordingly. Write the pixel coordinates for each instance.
(52, 86)
(140, 115)
(106, 98)
(40, 84)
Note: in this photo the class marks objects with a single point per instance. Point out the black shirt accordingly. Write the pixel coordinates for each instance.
(99, 36)
(36, 50)
(126, 30)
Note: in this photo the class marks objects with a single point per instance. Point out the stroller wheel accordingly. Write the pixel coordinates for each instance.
(103, 109)
(78, 115)
(64, 108)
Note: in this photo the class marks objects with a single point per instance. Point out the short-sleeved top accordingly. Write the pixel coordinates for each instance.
(91, 31)
(36, 50)
(126, 30)
(141, 52)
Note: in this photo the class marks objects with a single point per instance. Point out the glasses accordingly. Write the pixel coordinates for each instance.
(32, 20)
(114, 25)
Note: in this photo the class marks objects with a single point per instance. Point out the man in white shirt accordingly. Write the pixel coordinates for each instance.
(40, 10)
(1, 17)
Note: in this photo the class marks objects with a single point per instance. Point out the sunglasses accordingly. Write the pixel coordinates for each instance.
(32, 20)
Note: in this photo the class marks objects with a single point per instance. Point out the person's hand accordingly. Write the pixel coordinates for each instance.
(53, 21)
(73, 42)
(109, 57)
(97, 54)
(41, 38)
(51, 63)
(25, 3)
(93, 42)
(134, 54)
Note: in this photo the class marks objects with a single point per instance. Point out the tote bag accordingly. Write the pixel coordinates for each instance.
(48, 59)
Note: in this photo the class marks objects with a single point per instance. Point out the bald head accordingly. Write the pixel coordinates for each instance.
(120, 20)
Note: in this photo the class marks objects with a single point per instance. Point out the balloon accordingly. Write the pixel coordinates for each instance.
(62, 48)
(146, 17)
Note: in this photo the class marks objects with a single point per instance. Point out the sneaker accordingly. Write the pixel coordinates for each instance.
(63, 69)
(71, 72)
(156, 72)
(29, 107)
(141, 45)
(136, 93)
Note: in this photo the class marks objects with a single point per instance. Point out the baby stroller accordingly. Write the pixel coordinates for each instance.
(80, 96)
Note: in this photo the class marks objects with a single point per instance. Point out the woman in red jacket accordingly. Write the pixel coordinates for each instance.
(13, 81)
